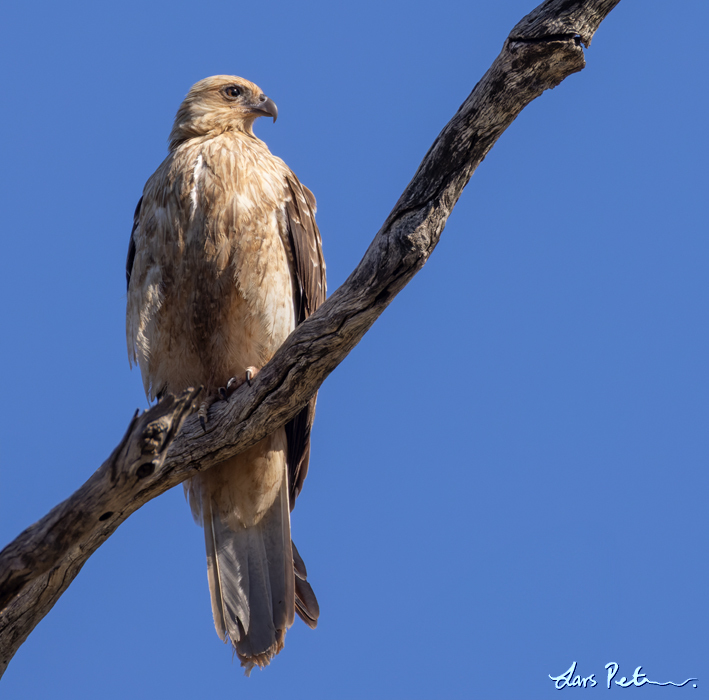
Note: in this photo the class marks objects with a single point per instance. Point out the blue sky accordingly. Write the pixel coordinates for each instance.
(509, 473)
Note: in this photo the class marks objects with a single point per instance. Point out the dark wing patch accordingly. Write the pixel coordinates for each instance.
(306, 604)
(309, 293)
(298, 438)
(306, 247)
(131, 244)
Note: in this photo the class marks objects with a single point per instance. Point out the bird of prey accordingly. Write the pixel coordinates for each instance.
(224, 261)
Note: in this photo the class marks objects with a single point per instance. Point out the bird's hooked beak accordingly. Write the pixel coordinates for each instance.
(266, 107)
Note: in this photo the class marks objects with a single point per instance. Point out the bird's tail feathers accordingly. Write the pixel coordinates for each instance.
(251, 581)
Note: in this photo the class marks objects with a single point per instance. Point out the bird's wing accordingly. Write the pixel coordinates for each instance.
(306, 245)
(310, 290)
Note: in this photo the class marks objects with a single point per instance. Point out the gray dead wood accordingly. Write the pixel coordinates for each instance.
(543, 48)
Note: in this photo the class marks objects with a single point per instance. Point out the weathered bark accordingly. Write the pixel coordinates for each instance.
(543, 48)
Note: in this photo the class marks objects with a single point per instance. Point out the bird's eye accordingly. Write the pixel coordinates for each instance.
(232, 92)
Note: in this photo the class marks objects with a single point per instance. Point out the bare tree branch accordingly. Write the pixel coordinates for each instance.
(543, 48)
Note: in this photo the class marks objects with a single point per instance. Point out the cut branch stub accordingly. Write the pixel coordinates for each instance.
(560, 17)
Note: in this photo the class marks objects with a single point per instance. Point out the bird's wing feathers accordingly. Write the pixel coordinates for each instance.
(306, 604)
(306, 245)
(310, 290)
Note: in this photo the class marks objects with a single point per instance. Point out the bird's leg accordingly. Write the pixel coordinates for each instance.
(223, 393)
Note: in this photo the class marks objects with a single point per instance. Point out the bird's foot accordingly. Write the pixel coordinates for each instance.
(204, 410)
(235, 382)
(223, 393)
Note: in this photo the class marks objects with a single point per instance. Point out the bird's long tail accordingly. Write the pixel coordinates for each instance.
(251, 582)
(257, 579)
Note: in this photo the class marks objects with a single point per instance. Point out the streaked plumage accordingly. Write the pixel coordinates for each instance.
(224, 261)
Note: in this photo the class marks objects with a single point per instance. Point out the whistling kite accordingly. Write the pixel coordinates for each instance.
(225, 259)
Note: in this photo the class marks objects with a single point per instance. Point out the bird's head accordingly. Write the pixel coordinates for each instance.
(218, 104)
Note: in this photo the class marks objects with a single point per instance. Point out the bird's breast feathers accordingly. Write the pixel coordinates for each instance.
(211, 288)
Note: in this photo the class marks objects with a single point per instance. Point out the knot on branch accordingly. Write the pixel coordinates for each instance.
(154, 436)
